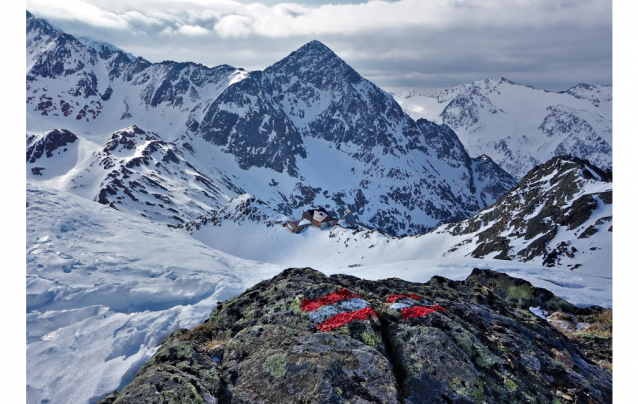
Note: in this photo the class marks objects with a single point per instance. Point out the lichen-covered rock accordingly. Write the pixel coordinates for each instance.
(276, 364)
(303, 337)
(179, 372)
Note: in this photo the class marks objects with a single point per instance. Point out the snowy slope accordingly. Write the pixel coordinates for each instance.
(134, 171)
(306, 131)
(104, 288)
(373, 255)
(519, 126)
(554, 227)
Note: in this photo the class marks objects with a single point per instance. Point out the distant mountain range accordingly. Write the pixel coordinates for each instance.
(519, 126)
(173, 141)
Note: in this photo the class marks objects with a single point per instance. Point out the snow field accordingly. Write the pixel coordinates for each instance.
(104, 288)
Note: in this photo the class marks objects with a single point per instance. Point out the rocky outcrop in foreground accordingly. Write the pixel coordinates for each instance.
(303, 337)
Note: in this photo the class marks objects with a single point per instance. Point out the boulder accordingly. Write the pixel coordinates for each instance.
(303, 337)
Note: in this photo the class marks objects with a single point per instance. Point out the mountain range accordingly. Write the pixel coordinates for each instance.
(173, 141)
(520, 126)
(558, 216)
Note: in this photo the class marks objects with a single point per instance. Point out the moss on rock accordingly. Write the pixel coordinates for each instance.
(276, 365)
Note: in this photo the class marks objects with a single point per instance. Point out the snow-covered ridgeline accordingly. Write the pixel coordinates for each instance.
(519, 126)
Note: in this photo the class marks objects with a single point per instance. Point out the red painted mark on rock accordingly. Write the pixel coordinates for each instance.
(394, 298)
(341, 319)
(419, 311)
(341, 294)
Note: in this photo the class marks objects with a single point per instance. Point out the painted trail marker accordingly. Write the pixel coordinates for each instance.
(412, 305)
(337, 309)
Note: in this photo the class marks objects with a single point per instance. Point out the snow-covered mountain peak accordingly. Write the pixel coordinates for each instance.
(595, 94)
(101, 45)
(408, 94)
(316, 62)
(128, 139)
(312, 51)
(306, 131)
(566, 168)
(40, 35)
(40, 24)
(561, 210)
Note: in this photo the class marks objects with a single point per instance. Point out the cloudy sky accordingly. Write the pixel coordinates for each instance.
(423, 44)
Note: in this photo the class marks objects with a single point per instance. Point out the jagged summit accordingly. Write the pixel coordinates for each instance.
(34, 22)
(314, 59)
(564, 164)
(313, 48)
(315, 45)
(503, 80)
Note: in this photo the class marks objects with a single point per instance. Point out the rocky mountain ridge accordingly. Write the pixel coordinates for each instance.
(305, 337)
(556, 205)
(270, 133)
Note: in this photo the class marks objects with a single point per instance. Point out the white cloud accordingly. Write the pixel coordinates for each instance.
(232, 26)
(139, 19)
(192, 30)
(77, 10)
(234, 19)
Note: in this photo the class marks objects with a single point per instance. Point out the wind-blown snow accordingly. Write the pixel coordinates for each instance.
(104, 288)
(98, 45)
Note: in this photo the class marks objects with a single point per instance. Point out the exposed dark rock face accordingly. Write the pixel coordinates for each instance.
(252, 127)
(550, 197)
(305, 337)
(149, 175)
(347, 107)
(179, 372)
(47, 144)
